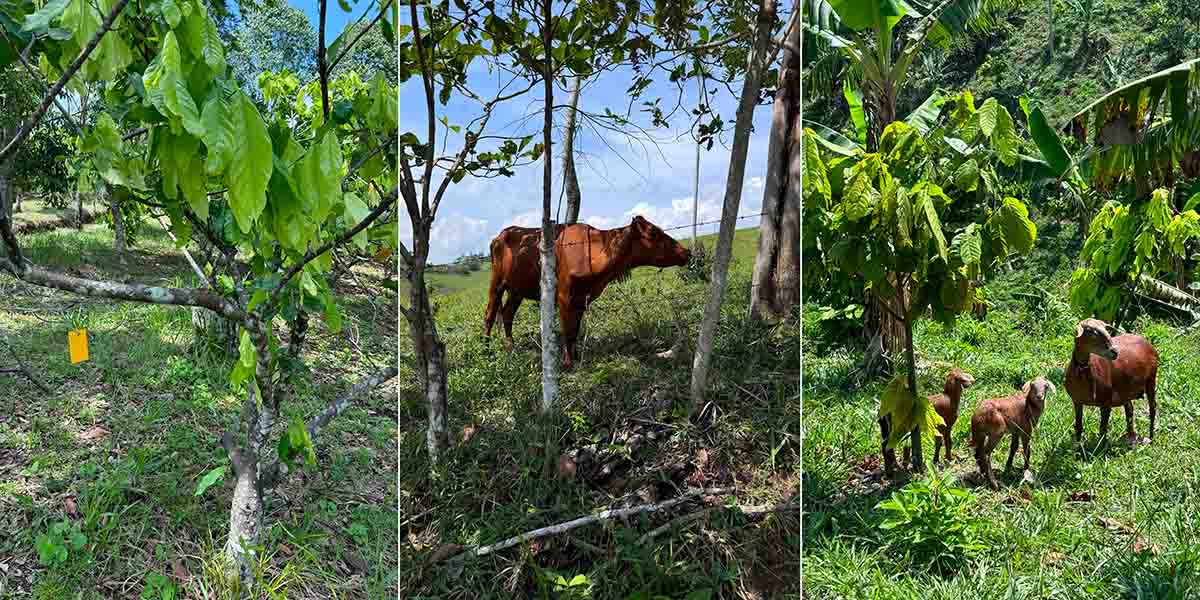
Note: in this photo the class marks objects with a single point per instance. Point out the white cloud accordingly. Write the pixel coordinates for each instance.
(531, 218)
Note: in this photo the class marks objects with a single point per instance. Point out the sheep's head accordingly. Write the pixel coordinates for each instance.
(1038, 389)
(958, 378)
(1093, 336)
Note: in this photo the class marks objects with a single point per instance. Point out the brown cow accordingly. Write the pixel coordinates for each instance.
(588, 260)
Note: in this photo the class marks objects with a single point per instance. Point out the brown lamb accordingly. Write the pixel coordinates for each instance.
(1017, 414)
(946, 404)
(1108, 372)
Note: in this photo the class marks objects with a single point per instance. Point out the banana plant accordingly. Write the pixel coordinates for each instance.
(863, 32)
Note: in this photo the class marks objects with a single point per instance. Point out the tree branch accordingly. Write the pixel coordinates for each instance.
(346, 50)
(322, 69)
(124, 291)
(50, 96)
(274, 473)
(311, 255)
(618, 513)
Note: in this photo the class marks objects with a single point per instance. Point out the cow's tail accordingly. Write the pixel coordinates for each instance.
(495, 289)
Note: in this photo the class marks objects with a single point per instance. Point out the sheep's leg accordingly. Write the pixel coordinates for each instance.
(1012, 452)
(992, 441)
(889, 454)
(1105, 412)
(1025, 449)
(1078, 423)
(937, 446)
(946, 438)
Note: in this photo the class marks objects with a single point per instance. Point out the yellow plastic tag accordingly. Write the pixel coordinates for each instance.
(78, 342)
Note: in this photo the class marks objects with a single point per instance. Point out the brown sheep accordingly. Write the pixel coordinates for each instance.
(1017, 414)
(946, 404)
(1108, 372)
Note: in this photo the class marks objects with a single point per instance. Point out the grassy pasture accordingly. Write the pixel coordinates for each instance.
(499, 479)
(105, 466)
(1116, 522)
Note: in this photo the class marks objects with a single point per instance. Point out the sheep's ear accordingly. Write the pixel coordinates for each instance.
(1079, 329)
(1027, 388)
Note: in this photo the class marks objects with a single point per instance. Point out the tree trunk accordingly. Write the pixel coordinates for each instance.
(776, 279)
(696, 174)
(918, 456)
(549, 278)
(733, 196)
(214, 329)
(429, 349)
(83, 109)
(114, 208)
(570, 180)
(246, 509)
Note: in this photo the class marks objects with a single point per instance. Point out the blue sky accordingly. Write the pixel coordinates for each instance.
(618, 180)
(336, 19)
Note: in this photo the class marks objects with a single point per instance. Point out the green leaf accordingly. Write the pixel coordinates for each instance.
(815, 176)
(43, 16)
(1159, 209)
(258, 298)
(355, 211)
(867, 14)
(1004, 136)
(987, 116)
(318, 177)
(244, 368)
(218, 132)
(857, 115)
(1049, 143)
(210, 479)
(966, 177)
(166, 86)
(1018, 231)
(971, 247)
(927, 212)
(925, 116)
(250, 169)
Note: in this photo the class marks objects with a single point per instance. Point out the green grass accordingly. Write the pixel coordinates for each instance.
(500, 481)
(160, 402)
(1136, 528)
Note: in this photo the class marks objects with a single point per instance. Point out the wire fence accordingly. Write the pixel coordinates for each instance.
(664, 229)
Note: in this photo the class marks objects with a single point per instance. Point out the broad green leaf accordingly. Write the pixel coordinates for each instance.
(166, 84)
(219, 137)
(1048, 142)
(815, 177)
(966, 177)
(250, 170)
(210, 479)
(1019, 232)
(869, 14)
(355, 211)
(971, 247)
(857, 115)
(925, 116)
(43, 16)
(318, 177)
(987, 116)
(1159, 210)
(927, 213)
(244, 368)
(1004, 136)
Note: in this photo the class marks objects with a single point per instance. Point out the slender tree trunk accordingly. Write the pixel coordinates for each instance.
(549, 276)
(246, 509)
(696, 175)
(570, 180)
(733, 196)
(1050, 13)
(429, 349)
(114, 208)
(774, 262)
(83, 110)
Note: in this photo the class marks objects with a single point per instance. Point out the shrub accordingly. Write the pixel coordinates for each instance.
(930, 519)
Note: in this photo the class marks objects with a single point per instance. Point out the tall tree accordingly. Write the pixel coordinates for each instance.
(759, 59)
(551, 342)
(570, 179)
(776, 278)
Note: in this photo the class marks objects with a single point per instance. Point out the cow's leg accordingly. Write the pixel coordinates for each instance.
(495, 298)
(1104, 414)
(507, 313)
(570, 316)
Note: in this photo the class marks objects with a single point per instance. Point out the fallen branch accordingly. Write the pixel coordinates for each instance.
(615, 513)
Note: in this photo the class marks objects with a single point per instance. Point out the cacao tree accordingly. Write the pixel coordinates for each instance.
(274, 187)
(921, 224)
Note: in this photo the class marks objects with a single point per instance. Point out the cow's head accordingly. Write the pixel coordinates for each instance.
(653, 247)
